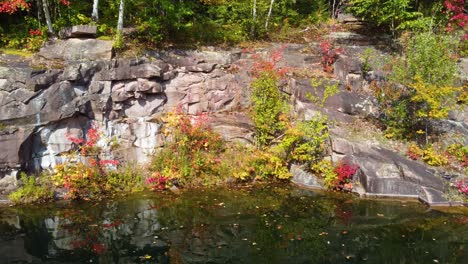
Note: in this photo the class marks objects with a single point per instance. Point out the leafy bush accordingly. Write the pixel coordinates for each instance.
(325, 170)
(305, 142)
(414, 152)
(84, 174)
(269, 104)
(460, 152)
(462, 186)
(345, 171)
(192, 155)
(336, 177)
(432, 158)
(127, 178)
(427, 56)
(421, 86)
(33, 190)
(330, 54)
(434, 102)
(393, 14)
(249, 163)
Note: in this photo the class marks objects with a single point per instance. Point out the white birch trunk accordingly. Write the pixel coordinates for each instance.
(254, 10)
(254, 19)
(95, 15)
(269, 14)
(39, 12)
(45, 7)
(121, 17)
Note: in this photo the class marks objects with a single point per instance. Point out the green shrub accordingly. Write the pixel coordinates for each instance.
(305, 142)
(325, 170)
(191, 157)
(127, 179)
(460, 153)
(421, 85)
(428, 56)
(119, 41)
(269, 108)
(33, 190)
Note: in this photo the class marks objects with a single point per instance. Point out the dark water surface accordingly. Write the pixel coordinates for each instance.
(250, 225)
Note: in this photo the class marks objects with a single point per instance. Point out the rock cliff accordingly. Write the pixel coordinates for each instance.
(41, 107)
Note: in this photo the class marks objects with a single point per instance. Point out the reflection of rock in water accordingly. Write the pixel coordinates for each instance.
(14, 251)
(116, 234)
(258, 226)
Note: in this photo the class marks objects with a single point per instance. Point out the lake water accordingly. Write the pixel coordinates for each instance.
(263, 224)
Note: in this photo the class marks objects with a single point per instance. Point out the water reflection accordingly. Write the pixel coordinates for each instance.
(252, 225)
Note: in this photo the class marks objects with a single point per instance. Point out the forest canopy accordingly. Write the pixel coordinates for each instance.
(215, 21)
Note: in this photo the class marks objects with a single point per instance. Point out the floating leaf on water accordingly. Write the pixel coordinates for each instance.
(146, 257)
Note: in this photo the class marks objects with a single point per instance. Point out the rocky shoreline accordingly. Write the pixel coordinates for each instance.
(41, 107)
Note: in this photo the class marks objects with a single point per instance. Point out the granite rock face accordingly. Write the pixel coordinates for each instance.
(41, 108)
(74, 49)
(79, 31)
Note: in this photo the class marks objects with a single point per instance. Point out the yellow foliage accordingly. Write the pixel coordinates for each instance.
(434, 159)
(438, 100)
(325, 169)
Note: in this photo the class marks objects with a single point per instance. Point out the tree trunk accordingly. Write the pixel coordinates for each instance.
(95, 15)
(269, 14)
(254, 19)
(254, 10)
(333, 10)
(39, 12)
(121, 17)
(45, 7)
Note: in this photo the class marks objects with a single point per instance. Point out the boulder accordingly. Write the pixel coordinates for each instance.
(303, 178)
(387, 173)
(202, 67)
(352, 103)
(148, 86)
(42, 80)
(77, 49)
(346, 18)
(8, 181)
(144, 107)
(236, 127)
(128, 72)
(434, 197)
(345, 65)
(342, 146)
(79, 31)
(14, 147)
(21, 95)
(351, 39)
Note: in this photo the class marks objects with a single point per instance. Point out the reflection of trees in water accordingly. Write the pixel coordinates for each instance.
(237, 226)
